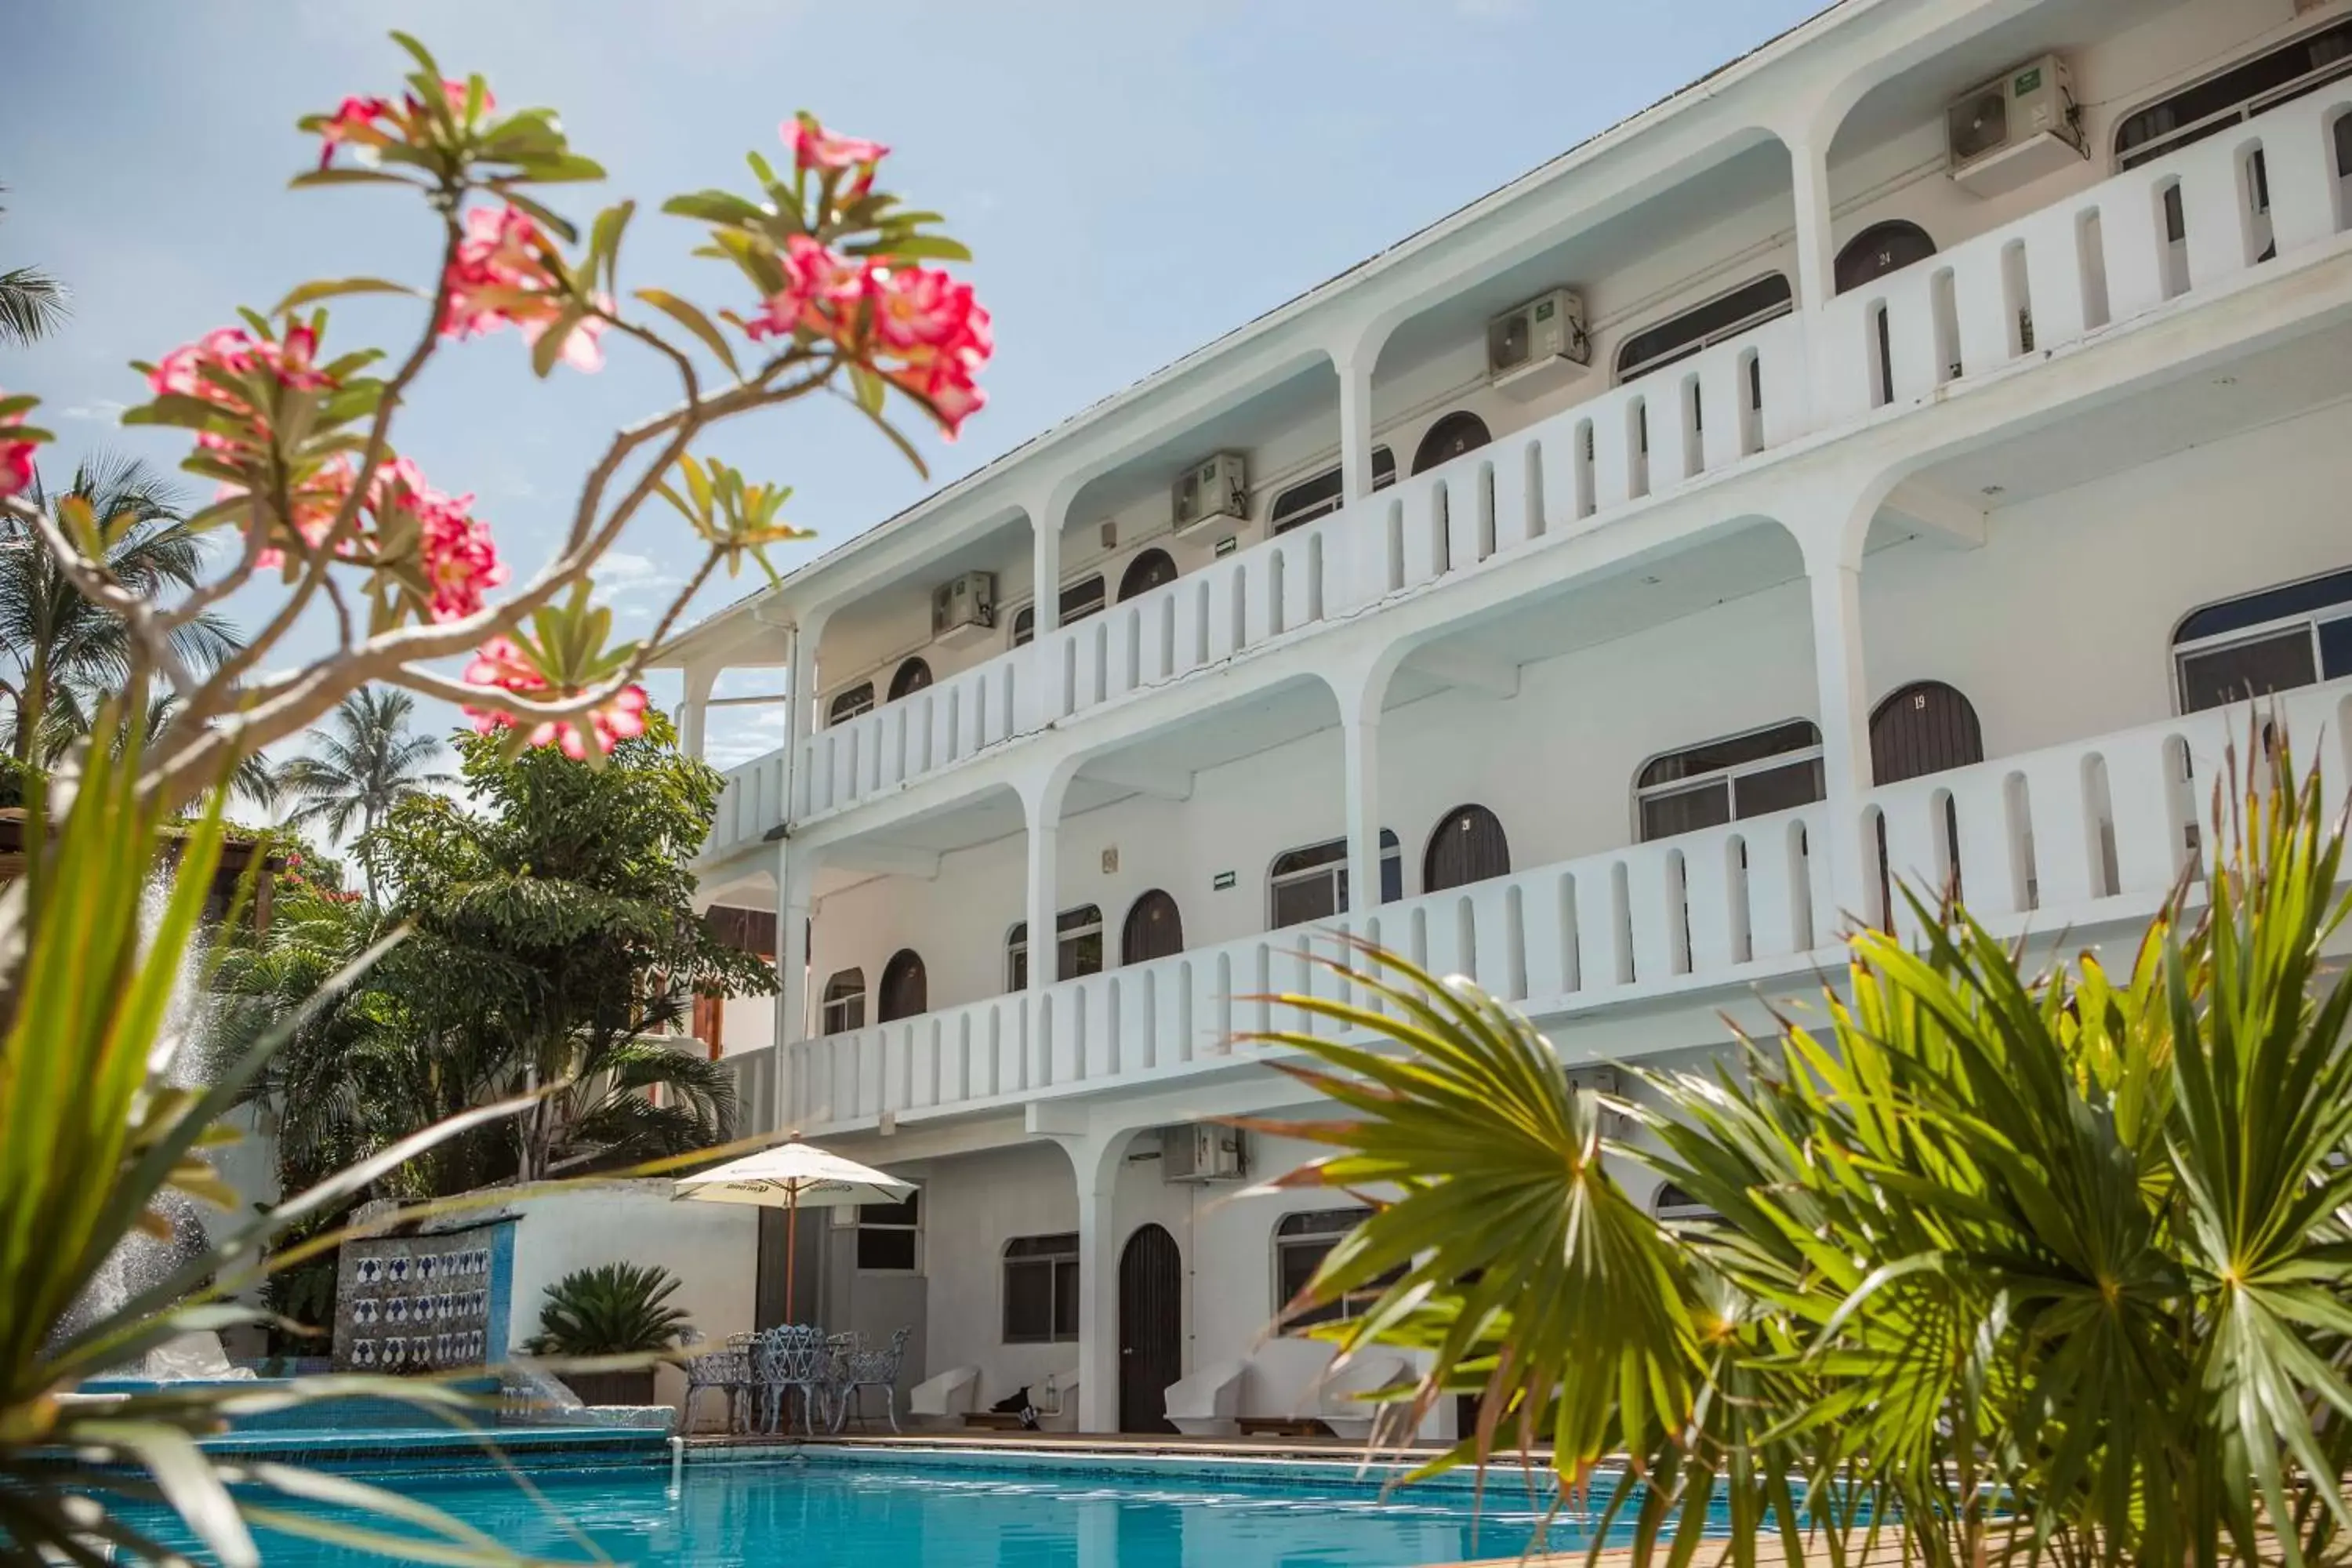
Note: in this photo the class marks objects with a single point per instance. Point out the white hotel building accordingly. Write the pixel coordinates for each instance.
(1889, 456)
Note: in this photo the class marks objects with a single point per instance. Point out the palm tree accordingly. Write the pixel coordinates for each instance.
(2002, 1263)
(255, 780)
(57, 648)
(31, 305)
(366, 762)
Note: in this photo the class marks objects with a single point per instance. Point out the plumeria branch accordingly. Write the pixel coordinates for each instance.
(302, 447)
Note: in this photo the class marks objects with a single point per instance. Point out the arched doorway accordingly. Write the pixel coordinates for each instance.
(1150, 1328)
(1145, 571)
(1459, 432)
(911, 676)
(1881, 249)
(1468, 845)
(1153, 930)
(905, 992)
(1922, 729)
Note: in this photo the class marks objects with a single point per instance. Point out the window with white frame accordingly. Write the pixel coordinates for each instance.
(1079, 600)
(1309, 499)
(847, 705)
(2294, 634)
(1041, 1290)
(1311, 884)
(1726, 316)
(1077, 947)
(1301, 1242)
(844, 1007)
(1731, 779)
(889, 1236)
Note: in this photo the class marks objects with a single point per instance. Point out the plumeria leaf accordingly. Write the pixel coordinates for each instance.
(345, 177)
(604, 242)
(689, 316)
(714, 206)
(329, 288)
(553, 221)
(913, 247)
(549, 346)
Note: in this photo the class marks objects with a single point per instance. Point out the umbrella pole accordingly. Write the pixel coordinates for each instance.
(792, 1252)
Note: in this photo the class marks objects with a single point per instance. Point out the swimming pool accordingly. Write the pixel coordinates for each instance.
(859, 1509)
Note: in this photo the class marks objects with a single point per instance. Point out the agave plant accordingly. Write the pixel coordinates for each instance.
(616, 1309)
(2004, 1263)
(94, 1135)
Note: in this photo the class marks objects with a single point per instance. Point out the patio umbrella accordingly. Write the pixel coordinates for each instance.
(792, 1176)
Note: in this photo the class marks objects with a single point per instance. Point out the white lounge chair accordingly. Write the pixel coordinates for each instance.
(1287, 1385)
(950, 1396)
(1346, 1416)
(1206, 1403)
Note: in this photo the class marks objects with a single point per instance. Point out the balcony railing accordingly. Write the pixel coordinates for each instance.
(2059, 839)
(2056, 276)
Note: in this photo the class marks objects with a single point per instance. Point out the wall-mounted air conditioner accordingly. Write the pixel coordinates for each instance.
(2014, 129)
(963, 608)
(1215, 486)
(1539, 346)
(1197, 1151)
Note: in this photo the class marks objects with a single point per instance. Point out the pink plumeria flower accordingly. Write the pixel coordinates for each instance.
(354, 120)
(16, 459)
(813, 147)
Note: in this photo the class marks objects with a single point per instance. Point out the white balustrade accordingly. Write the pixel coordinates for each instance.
(2094, 259)
(750, 803)
(1706, 907)
(2072, 833)
(2050, 840)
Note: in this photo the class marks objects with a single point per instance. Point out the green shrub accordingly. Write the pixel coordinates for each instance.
(617, 1310)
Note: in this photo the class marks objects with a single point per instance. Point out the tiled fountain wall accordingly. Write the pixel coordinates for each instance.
(426, 1303)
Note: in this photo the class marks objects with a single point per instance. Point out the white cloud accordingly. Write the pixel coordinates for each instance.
(100, 410)
(624, 574)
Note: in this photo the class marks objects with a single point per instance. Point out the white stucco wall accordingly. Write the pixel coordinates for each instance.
(711, 1248)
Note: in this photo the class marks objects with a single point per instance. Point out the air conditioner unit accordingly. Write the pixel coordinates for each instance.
(1199, 1153)
(963, 608)
(1539, 346)
(1214, 487)
(2015, 128)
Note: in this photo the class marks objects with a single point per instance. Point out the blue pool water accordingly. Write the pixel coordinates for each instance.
(841, 1512)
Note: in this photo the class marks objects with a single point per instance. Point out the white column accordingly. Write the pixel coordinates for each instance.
(794, 873)
(1359, 735)
(694, 713)
(1097, 1159)
(1046, 533)
(1356, 423)
(799, 705)
(1809, 173)
(1844, 695)
(1044, 847)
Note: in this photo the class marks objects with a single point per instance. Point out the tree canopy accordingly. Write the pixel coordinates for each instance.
(553, 938)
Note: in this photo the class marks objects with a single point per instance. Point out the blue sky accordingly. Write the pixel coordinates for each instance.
(1133, 181)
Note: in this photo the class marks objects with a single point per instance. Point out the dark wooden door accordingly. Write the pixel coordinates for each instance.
(1145, 573)
(1467, 847)
(1150, 1328)
(1923, 729)
(906, 988)
(912, 676)
(1880, 249)
(1153, 930)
